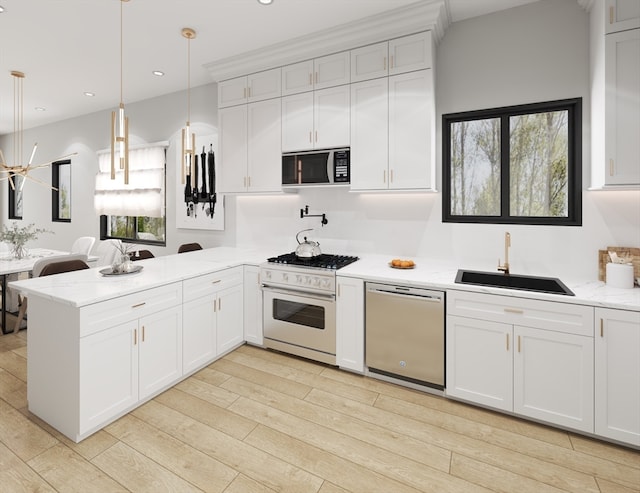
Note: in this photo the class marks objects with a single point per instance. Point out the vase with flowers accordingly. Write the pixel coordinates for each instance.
(122, 262)
(18, 237)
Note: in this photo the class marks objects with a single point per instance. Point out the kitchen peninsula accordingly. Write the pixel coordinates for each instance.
(99, 346)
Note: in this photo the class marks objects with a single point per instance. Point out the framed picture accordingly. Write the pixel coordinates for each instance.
(15, 197)
(61, 191)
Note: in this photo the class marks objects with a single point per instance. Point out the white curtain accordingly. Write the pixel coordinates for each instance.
(144, 195)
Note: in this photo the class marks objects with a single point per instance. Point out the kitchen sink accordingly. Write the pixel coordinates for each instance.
(513, 281)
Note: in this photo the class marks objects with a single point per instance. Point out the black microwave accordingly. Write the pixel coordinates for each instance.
(322, 167)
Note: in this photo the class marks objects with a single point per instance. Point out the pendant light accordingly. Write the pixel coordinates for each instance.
(188, 137)
(19, 169)
(120, 126)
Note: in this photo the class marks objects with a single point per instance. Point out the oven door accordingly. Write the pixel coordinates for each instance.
(300, 323)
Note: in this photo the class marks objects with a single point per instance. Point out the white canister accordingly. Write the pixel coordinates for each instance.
(619, 275)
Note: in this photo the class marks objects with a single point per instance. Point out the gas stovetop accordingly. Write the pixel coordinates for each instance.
(323, 261)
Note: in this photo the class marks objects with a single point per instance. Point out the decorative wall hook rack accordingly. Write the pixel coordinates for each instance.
(305, 213)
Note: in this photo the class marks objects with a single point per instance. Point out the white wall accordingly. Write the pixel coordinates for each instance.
(536, 52)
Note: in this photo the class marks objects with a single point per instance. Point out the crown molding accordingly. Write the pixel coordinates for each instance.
(425, 15)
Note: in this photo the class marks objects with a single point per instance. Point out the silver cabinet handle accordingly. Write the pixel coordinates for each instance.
(139, 305)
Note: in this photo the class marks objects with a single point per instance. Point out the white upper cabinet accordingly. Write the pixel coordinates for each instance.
(250, 147)
(323, 72)
(392, 125)
(316, 120)
(369, 62)
(250, 88)
(410, 53)
(396, 56)
(622, 108)
(622, 15)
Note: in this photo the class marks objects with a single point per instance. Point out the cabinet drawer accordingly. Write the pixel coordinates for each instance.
(549, 315)
(99, 316)
(208, 284)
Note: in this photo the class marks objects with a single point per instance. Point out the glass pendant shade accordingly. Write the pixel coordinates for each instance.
(120, 127)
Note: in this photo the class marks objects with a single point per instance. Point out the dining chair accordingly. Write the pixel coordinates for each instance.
(83, 245)
(141, 255)
(48, 266)
(107, 251)
(189, 247)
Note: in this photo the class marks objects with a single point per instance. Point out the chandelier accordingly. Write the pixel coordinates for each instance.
(9, 172)
(188, 138)
(120, 126)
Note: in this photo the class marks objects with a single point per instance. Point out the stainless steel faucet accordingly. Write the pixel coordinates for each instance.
(507, 243)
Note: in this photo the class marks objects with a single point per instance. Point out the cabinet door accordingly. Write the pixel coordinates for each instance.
(411, 127)
(480, 362)
(297, 78)
(229, 312)
(233, 149)
(410, 53)
(331, 117)
(553, 377)
(369, 134)
(369, 62)
(622, 108)
(108, 374)
(622, 15)
(617, 370)
(232, 92)
(160, 348)
(332, 70)
(264, 153)
(350, 324)
(198, 333)
(252, 305)
(297, 122)
(264, 85)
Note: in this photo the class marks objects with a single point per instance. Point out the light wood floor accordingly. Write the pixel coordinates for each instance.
(259, 421)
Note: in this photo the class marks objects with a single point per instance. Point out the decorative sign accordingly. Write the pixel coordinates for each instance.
(198, 205)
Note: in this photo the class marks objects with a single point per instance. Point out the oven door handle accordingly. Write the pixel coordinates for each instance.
(307, 294)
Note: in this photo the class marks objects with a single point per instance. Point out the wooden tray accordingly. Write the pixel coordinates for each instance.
(603, 260)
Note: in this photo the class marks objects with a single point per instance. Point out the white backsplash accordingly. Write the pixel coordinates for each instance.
(410, 225)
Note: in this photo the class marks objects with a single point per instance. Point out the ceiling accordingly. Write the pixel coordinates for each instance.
(68, 47)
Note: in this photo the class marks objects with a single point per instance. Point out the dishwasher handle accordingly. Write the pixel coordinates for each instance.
(405, 291)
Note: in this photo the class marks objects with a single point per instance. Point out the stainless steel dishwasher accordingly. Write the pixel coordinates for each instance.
(405, 333)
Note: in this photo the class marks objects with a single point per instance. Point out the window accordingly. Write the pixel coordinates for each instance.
(144, 230)
(61, 191)
(515, 165)
(15, 196)
(133, 212)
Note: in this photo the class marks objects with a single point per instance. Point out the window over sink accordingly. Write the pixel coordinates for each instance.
(515, 165)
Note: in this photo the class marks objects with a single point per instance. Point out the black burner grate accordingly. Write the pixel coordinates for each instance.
(322, 261)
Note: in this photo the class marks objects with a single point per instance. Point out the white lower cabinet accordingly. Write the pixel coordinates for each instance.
(252, 305)
(480, 362)
(553, 377)
(542, 370)
(617, 370)
(350, 323)
(127, 363)
(212, 318)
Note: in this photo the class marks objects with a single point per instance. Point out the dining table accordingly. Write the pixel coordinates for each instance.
(9, 264)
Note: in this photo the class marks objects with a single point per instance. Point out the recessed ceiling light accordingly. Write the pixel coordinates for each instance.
(265, 2)
(158, 73)
(89, 94)
(1, 9)
(40, 108)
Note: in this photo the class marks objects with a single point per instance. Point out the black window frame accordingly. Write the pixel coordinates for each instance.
(55, 191)
(13, 195)
(574, 163)
(104, 230)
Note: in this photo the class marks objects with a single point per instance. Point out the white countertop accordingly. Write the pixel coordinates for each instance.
(438, 274)
(85, 287)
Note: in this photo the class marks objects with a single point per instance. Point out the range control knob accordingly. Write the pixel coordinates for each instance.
(285, 277)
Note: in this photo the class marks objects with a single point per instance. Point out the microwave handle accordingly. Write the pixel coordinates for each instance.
(331, 166)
